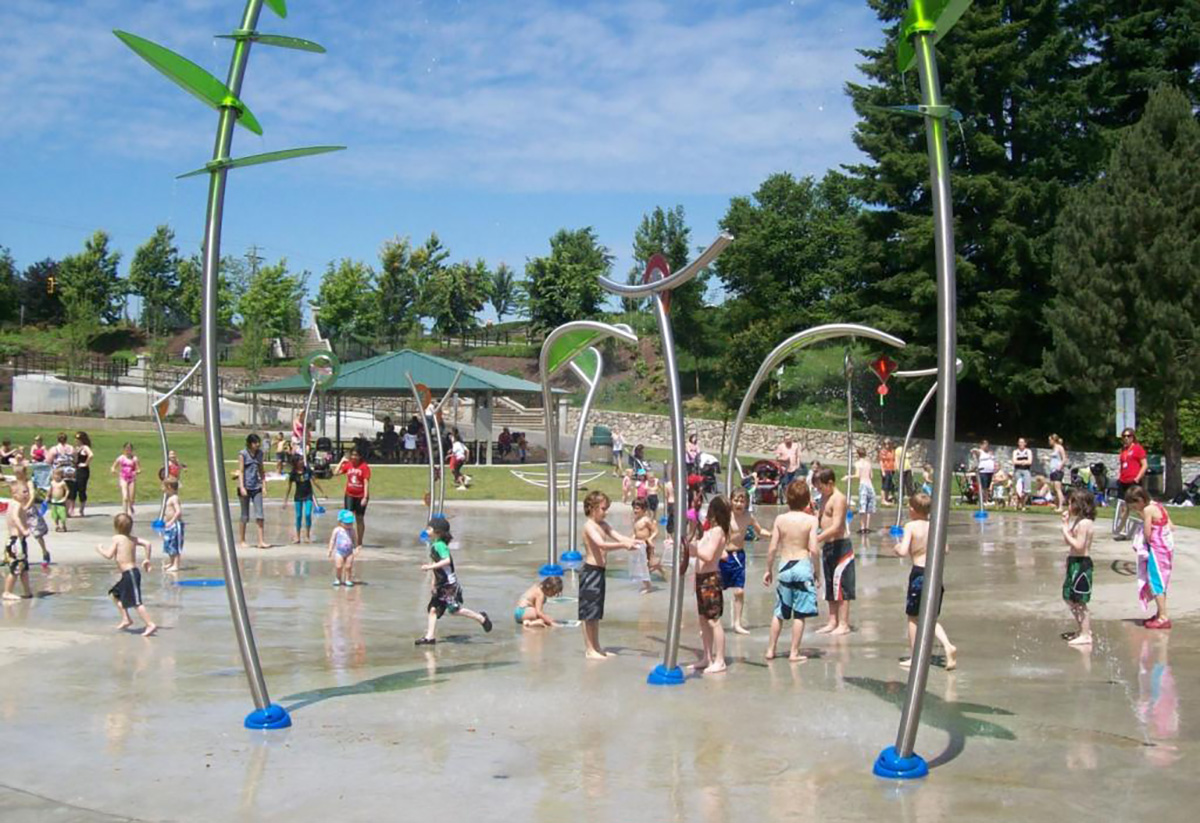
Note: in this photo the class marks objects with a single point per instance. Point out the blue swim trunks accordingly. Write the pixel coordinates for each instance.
(519, 615)
(733, 570)
(173, 539)
(796, 593)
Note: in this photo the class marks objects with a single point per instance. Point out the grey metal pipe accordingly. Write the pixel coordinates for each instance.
(780, 353)
(847, 364)
(912, 426)
(307, 410)
(591, 382)
(162, 431)
(212, 401)
(438, 502)
(428, 440)
(943, 225)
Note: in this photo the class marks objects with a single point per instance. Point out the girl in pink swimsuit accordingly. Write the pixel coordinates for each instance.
(1155, 548)
(128, 467)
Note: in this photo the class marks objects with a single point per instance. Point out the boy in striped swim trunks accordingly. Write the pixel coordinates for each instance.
(837, 553)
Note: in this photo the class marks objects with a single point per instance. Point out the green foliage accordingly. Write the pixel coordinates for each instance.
(231, 285)
(503, 292)
(1127, 309)
(398, 291)
(453, 295)
(666, 232)
(1150, 429)
(525, 350)
(273, 301)
(427, 262)
(41, 305)
(347, 301)
(9, 300)
(89, 281)
(154, 276)
(564, 285)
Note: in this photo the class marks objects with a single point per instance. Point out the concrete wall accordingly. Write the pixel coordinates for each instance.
(43, 394)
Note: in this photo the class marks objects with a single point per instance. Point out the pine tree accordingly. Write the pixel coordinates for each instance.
(398, 291)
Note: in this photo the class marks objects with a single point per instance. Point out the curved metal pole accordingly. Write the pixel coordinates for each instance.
(591, 382)
(847, 365)
(162, 434)
(307, 410)
(780, 353)
(212, 400)
(437, 425)
(943, 224)
(671, 281)
(440, 505)
(958, 364)
(428, 440)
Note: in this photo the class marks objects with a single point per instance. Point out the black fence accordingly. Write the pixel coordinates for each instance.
(100, 371)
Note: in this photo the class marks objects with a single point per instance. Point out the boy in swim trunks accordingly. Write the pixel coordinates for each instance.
(58, 500)
(598, 540)
(16, 554)
(530, 611)
(446, 592)
(172, 532)
(733, 560)
(710, 597)
(837, 553)
(1078, 528)
(866, 490)
(794, 534)
(913, 544)
(127, 593)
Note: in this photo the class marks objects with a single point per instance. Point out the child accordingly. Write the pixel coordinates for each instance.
(866, 490)
(251, 477)
(529, 612)
(129, 467)
(644, 529)
(172, 534)
(913, 544)
(32, 512)
(1155, 548)
(733, 561)
(627, 487)
(447, 594)
(343, 548)
(458, 458)
(1078, 528)
(174, 466)
(837, 554)
(128, 590)
(813, 489)
(795, 535)
(58, 500)
(1000, 484)
(280, 446)
(652, 492)
(301, 478)
(710, 598)
(598, 540)
(16, 554)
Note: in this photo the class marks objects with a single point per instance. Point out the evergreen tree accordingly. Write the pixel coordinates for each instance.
(347, 303)
(9, 292)
(89, 280)
(40, 294)
(428, 261)
(1127, 312)
(665, 232)
(564, 285)
(154, 276)
(398, 291)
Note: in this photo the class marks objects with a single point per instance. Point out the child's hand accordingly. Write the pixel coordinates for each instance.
(767, 578)
(425, 567)
(146, 565)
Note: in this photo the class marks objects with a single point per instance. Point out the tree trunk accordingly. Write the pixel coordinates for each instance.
(1172, 450)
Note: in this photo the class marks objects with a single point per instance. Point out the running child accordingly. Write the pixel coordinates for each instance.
(127, 467)
(710, 597)
(32, 512)
(446, 591)
(16, 553)
(837, 554)
(58, 500)
(343, 549)
(172, 533)
(530, 612)
(644, 529)
(598, 540)
(794, 536)
(866, 490)
(300, 479)
(733, 560)
(1155, 548)
(913, 545)
(127, 593)
(1078, 529)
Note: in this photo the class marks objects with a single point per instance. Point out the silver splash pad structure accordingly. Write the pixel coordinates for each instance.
(511, 725)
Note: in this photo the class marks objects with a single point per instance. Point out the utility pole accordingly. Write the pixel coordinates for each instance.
(254, 258)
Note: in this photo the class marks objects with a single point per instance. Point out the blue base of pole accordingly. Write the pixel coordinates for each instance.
(662, 676)
(158, 525)
(571, 560)
(551, 570)
(981, 515)
(272, 717)
(896, 531)
(891, 765)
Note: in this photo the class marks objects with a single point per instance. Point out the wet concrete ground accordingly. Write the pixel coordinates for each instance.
(100, 725)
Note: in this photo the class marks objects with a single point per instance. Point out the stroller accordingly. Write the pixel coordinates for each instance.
(321, 458)
(1190, 496)
(763, 481)
(1092, 479)
(710, 468)
(967, 483)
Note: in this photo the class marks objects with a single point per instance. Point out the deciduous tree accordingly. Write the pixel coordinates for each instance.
(564, 285)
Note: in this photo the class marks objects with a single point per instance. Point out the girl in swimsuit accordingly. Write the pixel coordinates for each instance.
(129, 467)
(1155, 548)
(37, 452)
(644, 531)
(1058, 459)
(530, 611)
(343, 548)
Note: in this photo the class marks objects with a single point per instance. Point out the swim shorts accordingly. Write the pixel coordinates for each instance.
(733, 570)
(710, 599)
(866, 498)
(519, 615)
(446, 598)
(591, 592)
(354, 504)
(916, 587)
(128, 590)
(795, 592)
(652, 503)
(837, 563)
(173, 539)
(17, 560)
(58, 512)
(1077, 586)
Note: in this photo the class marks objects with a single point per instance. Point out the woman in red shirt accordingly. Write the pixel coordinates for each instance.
(358, 490)
(1132, 472)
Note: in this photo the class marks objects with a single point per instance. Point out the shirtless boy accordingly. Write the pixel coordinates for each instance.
(128, 591)
(837, 553)
(866, 490)
(598, 540)
(733, 561)
(913, 545)
(794, 537)
(16, 553)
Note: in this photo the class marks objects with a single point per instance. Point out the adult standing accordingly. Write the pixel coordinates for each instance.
(788, 454)
(1132, 471)
(250, 488)
(638, 459)
(1058, 462)
(83, 469)
(887, 466)
(691, 453)
(1022, 472)
(62, 456)
(358, 490)
(618, 453)
(985, 469)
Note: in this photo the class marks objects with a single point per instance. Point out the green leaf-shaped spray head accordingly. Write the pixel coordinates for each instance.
(277, 40)
(193, 79)
(937, 16)
(568, 346)
(278, 6)
(257, 159)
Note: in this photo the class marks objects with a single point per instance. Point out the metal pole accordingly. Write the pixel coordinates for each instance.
(904, 449)
(551, 472)
(212, 407)
(943, 223)
(591, 382)
(428, 439)
(162, 434)
(849, 421)
(307, 409)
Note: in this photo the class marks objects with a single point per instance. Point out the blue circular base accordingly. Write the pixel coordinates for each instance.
(424, 535)
(981, 515)
(571, 561)
(551, 570)
(891, 765)
(662, 676)
(158, 525)
(272, 717)
(896, 531)
(202, 581)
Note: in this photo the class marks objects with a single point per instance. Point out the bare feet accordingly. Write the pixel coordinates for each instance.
(796, 657)
(124, 624)
(243, 545)
(738, 628)
(716, 668)
(699, 666)
(592, 655)
(263, 546)
(770, 654)
(1081, 640)
(150, 630)
(951, 658)
(11, 596)
(906, 663)
(840, 630)
(827, 628)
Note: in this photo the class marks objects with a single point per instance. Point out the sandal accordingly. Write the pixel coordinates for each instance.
(425, 641)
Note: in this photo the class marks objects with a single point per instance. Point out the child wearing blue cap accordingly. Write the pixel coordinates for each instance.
(446, 592)
(343, 548)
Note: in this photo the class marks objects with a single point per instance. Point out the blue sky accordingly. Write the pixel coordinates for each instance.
(492, 123)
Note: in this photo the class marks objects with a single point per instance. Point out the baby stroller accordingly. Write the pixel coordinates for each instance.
(710, 467)
(763, 481)
(967, 483)
(321, 458)
(1190, 496)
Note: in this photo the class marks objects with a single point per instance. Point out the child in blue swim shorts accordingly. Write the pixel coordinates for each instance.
(794, 538)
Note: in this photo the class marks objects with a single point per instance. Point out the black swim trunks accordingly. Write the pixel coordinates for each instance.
(16, 558)
(447, 597)
(128, 590)
(916, 586)
(837, 561)
(591, 592)
(1077, 586)
(710, 597)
